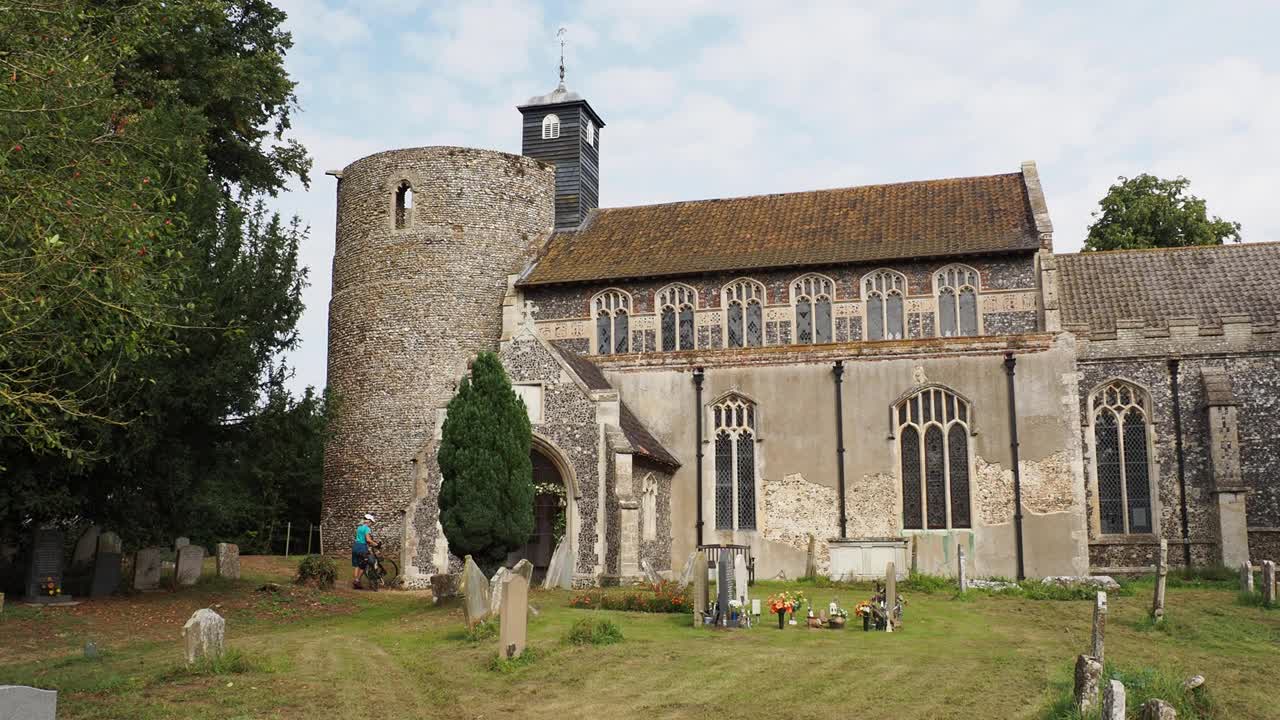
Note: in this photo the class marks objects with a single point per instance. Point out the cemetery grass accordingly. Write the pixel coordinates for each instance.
(393, 654)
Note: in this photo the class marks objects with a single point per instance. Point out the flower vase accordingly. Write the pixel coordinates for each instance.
(792, 621)
(866, 623)
(782, 619)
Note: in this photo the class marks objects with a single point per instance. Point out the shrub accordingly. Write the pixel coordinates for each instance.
(317, 570)
(665, 597)
(595, 631)
(483, 630)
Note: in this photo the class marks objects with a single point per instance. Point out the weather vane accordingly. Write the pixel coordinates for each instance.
(560, 34)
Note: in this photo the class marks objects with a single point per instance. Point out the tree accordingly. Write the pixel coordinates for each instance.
(1148, 212)
(486, 494)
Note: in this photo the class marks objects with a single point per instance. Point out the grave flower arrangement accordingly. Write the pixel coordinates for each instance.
(863, 609)
(50, 588)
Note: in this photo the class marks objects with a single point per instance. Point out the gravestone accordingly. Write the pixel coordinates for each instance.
(699, 565)
(686, 575)
(228, 560)
(1268, 582)
(514, 618)
(181, 543)
(1113, 701)
(190, 564)
(962, 574)
(650, 576)
(475, 587)
(811, 559)
(109, 542)
(1099, 626)
(46, 563)
(1088, 675)
(1156, 709)
(741, 580)
(19, 702)
(106, 575)
(524, 568)
(146, 569)
(1246, 578)
(205, 635)
(724, 591)
(1, 603)
(1162, 577)
(86, 548)
(560, 571)
(444, 585)
(495, 590)
(890, 595)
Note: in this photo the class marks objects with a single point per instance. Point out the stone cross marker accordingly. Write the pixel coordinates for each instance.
(19, 702)
(1099, 625)
(1246, 577)
(1162, 577)
(146, 569)
(890, 595)
(1113, 701)
(699, 568)
(962, 575)
(46, 561)
(475, 586)
(190, 564)
(1088, 675)
(228, 560)
(205, 635)
(1269, 582)
(513, 633)
(1156, 709)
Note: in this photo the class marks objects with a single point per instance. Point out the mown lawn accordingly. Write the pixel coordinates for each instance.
(394, 655)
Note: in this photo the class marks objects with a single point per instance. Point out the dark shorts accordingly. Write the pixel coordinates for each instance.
(358, 553)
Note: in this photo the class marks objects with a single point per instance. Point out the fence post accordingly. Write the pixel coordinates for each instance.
(287, 533)
(311, 530)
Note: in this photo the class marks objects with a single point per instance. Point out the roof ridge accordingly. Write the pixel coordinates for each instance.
(1155, 250)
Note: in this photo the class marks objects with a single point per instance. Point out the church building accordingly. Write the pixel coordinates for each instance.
(898, 371)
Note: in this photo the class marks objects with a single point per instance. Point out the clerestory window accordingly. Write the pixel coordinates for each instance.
(735, 457)
(1121, 433)
(743, 303)
(612, 310)
(883, 296)
(933, 443)
(675, 305)
(957, 288)
(811, 297)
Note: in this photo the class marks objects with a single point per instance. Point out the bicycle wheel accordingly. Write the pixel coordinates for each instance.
(390, 570)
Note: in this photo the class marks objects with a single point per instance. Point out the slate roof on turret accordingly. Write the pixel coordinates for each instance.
(872, 223)
(1205, 282)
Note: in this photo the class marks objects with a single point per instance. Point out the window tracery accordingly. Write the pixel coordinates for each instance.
(676, 304)
(883, 296)
(933, 441)
(811, 297)
(743, 301)
(957, 287)
(735, 458)
(612, 310)
(1121, 433)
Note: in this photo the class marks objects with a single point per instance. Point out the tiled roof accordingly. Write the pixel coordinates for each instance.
(1205, 282)
(931, 218)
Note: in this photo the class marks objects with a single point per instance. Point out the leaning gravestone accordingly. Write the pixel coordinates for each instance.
(205, 635)
(1099, 626)
(228, 560)
(181, 543)
(190, 564)
(146, 569)
(1113, 701)
(19, 702)
(106, 575)
(1268, 582)
(475, 588)
(46, 563)
(699, 565)
(650, 576)
(1088, 675)
(560, 571)
(109, 542)
(524, 569)
(495, 590)
(514, 629)
(86, 548)
(686, 575)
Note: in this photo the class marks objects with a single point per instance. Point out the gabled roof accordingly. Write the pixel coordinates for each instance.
(931, 218)
(1206, 282)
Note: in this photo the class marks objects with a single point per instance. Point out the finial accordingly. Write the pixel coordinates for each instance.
(560, 34)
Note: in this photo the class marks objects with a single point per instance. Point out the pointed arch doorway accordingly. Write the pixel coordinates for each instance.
(555, 515)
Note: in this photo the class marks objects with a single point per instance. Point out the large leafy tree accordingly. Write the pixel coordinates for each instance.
(1149, 212)
(486, 491)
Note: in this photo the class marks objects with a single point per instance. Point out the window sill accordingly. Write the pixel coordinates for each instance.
(1131, 539)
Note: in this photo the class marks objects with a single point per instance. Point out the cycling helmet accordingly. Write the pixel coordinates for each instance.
(369, 517)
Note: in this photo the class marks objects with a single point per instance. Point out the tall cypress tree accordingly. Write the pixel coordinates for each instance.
(486, 495)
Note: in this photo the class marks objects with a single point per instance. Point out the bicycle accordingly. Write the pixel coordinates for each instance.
(379, 570)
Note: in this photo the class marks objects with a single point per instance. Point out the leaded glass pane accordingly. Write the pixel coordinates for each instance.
(822, 321)
(968, 312)
(668, 328)
(755, 325)
(724, 482)
(910, 445)
(927, 407)
(737, 420)
(603, 344)
(951, 407)
(621, 332)
(1136, 481)
(735, 325)
(804, 321)
(751, 417)
(915, 409)
(1110, 502)
(902, 413)
(875, 318)
(893, 318)
(935, 480)
(964, 411)
(947, 312)
(719, 422)
(686, 328)
(958, 456)
(746, 482)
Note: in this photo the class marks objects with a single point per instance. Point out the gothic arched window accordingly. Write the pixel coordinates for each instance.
(649, 508)
(883, 296)
(933, 443)
(1121, 434)
(551, 127)
(735, 453)
(957, 288)
(743, 302)
(811, 296)
(675, 310)
(404, 205)
(612, 310)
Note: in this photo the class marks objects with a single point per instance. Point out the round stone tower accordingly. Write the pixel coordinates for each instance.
(426, 239)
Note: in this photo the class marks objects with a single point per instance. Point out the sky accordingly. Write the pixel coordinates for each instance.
(709, 99)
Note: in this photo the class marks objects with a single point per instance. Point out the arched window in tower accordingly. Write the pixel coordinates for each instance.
(612, 310)
(675, 305)
(735, 457)
(883, 296)
(1121, 436)
(551, 127)
(933, 443)
(649, 507)
(404, 205)
(811, 297)
(957, 288)
(743, 302)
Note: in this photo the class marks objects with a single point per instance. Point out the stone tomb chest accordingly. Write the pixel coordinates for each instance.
(866, 559)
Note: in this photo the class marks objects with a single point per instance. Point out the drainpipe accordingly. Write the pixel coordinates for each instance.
(838, 372)
(1177, 450)
(1009, 364)
(697, 414)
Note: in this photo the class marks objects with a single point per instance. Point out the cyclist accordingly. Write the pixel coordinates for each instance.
(360, 549)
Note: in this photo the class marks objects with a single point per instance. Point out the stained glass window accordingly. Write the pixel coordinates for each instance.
(1120, 437)
(742, 300)
(735, 420)
(938, 471)
(957, 287)
(612, 309)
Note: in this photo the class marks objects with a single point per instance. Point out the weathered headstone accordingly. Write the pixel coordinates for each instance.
(513, 633)
(109, 542)
(1, 602)
(190, 564)
(1269, 582)
(205, 635)
(1162, 578)
(741, 580)
(962, 573)
(1099, 626)
(495, 590)
(146, 569)
(86, 548)
(560, 571)
(180, 543)
(228, 560)
(1113, 701)
(686, 575)
(19, 702)
(1156, 709)
(524, 568)
(46, 562)
(650, 576)
(444, 585)
(699, 565)
(475, 588)
(106, 575)
(724, 592)
(1246, 577)
(890, 595)
(811, 559)
(1088, 676)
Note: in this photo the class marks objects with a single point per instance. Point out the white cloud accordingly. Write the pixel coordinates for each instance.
(479, 42)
